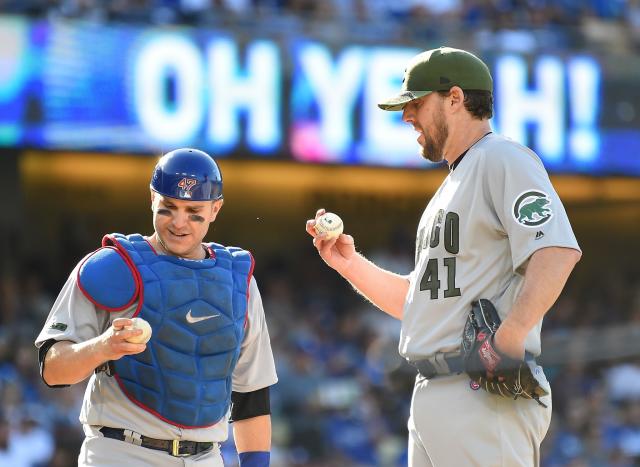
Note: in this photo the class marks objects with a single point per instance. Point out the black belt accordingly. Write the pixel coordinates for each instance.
(440, 364)
(174, 447)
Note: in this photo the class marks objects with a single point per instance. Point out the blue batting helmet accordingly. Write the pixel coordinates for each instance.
(187, 174)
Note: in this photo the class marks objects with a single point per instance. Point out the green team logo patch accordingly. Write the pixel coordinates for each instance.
(531, 208)
(58, 326)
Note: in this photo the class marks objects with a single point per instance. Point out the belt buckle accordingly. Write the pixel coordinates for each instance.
(175, 449)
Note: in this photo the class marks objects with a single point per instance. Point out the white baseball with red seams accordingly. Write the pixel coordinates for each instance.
(329, 223)
(139, 323)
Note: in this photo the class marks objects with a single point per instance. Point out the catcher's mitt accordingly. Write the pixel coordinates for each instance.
(489, 368)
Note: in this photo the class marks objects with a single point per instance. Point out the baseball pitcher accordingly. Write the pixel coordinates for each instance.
(494, 249)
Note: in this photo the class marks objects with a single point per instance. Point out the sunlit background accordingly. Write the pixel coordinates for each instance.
(284, 93)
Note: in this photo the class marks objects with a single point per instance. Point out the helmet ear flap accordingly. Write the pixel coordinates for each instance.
(188, 174)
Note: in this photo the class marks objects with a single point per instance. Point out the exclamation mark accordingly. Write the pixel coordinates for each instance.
(584, 88)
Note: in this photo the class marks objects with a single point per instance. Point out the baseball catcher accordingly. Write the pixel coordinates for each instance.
(166, 399)
(489, 368)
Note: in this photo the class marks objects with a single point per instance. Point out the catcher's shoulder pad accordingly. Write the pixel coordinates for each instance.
(106, 277)
(241, 259)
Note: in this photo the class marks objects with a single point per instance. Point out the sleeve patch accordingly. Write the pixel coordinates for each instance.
(532, 208)
(58, 326)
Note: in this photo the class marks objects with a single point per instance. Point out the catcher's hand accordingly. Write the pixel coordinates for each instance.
(489, 368)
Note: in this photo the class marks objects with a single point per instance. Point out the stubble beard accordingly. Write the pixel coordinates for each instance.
(165, 247)
(433, 147)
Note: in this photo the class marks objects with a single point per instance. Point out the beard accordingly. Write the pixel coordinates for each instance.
(434, 141)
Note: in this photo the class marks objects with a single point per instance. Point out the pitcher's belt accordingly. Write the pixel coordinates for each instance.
(174, 447)
(448, 363)
(440, 364)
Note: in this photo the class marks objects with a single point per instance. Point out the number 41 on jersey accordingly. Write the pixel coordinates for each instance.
(449, 225)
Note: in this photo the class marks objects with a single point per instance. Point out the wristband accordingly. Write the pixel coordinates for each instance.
(254, 459)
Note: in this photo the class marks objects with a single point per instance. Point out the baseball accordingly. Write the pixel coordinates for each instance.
(139, 323)
(329, 223)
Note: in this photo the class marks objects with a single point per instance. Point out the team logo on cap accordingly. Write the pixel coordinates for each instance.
(409, 94)
(186, 185)
(531, 208)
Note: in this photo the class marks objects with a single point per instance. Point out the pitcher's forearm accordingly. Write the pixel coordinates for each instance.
(69, 363)
(385, 289)
(547, 273)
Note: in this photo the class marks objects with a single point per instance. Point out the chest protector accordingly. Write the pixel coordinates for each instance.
(197, 312)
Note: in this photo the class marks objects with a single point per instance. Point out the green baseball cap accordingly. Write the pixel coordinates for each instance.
(439, 70)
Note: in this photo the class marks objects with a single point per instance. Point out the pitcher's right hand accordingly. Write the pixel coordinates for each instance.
(336, 252)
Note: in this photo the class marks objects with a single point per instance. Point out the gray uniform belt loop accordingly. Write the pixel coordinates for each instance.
(440, 364)
(132, 437)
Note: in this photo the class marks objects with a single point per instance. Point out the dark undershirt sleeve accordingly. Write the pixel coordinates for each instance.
(250, 404)
(42, 353)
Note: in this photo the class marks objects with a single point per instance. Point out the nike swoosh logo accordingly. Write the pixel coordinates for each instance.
(194, 319)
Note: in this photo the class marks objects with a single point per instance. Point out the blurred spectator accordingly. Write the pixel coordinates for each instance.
(23, 442)
(623, 382)
(515, 25)
(628, 435)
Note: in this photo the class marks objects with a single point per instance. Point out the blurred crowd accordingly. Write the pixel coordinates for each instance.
(521, 25)
(344, 392)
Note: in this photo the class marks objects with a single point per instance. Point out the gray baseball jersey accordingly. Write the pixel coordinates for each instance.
(491, 213)
(74, 318)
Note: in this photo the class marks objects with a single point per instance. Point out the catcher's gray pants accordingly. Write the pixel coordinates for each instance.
(106, 452)
(452, 424)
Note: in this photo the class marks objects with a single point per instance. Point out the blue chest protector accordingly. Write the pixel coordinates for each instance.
(197, 311)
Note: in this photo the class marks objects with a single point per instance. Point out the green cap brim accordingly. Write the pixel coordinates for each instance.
(398, 102)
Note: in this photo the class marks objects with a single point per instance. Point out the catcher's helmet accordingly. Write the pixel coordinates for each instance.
(187, 174)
